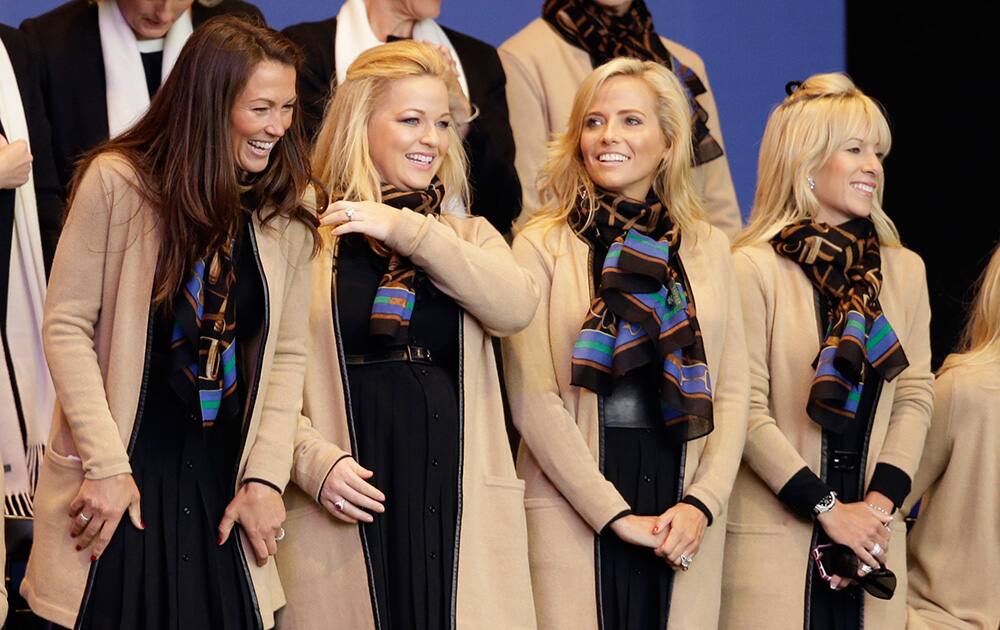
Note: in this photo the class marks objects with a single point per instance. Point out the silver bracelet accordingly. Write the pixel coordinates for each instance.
(880, 510)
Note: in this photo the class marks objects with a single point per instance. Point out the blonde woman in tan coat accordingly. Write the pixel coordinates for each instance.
(837, 320)
(630, 446)
(952, 549)
(406, 511)
(547, 60)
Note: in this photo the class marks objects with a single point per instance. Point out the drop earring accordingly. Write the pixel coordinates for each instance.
(811, 182)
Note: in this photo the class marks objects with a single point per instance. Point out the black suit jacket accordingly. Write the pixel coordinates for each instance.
(66, 43)
(489, 143)
(48, 193)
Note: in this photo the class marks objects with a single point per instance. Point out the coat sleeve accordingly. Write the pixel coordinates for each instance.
(526, 101)
(768, 451)
(480, 274)
(270, 456)
(72, 310)
(315, 457)
(546, 426)
(940, 440)
(713, 479)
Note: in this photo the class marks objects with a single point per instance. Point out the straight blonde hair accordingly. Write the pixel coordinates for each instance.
(802, 134)
(981, 337)
(342, 155)
(563, 179)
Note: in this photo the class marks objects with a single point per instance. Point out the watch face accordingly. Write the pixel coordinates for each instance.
(825, 504)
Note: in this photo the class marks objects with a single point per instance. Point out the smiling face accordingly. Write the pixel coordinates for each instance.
(262, 114)
(615, 7)
(151, 19)
(846, 184)
(408, 132)
(621, 143)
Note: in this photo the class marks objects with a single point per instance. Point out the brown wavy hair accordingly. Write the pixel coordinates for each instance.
(182, 153)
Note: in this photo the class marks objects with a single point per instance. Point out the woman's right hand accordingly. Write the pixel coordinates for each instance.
(638, 530)
(345, 486)
(15, 163)
(860, 528)
(97, 509)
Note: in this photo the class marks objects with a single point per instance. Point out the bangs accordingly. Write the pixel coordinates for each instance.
(860, 117)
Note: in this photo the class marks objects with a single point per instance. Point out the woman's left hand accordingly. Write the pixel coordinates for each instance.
(260, 512)
(360, 217)
(686, 525)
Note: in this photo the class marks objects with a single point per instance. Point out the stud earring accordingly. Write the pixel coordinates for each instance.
(811, 182)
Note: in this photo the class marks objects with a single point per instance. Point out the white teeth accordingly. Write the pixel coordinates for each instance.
(868, 188)
(259, 144)
(612, 157)
(417, 157)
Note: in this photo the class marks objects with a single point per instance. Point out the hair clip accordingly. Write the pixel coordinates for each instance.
(791, 86)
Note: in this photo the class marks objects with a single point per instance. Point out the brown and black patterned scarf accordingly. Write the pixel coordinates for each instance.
(844, 264)
(604, 36)
(642, 312)
(396, 295)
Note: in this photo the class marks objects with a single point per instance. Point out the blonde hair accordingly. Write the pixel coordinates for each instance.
(802, 134)
(981, 336)
(563, 179)
(342, 156)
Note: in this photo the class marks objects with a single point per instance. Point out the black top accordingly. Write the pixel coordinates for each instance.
(152, 67)
(496, 191)
(66, 42)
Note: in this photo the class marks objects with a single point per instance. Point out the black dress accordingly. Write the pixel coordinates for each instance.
(844, 455)
(642, 458)
(407, 425)
(173, 575)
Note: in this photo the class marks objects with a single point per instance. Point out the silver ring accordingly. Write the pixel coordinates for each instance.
(865, 569)
(339, 505)
(876, 550)
(686, 562)
(281, 535)
(84, 518)
(350, 217)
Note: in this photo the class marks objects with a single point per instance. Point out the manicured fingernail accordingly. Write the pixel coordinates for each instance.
(219, 541)
(93, 558)
(78, 548)
(142, 524)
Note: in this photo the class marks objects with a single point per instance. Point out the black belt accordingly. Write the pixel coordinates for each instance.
(406, 354)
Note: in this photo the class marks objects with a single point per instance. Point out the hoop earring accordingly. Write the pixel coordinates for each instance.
(811, 182)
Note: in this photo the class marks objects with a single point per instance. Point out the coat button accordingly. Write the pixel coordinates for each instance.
(647, 478)
(432, 509)
(187, 511)
(186, 558)
(436, 415)
(433, 555)
(189, 463)
(434, 463)
(423, 372)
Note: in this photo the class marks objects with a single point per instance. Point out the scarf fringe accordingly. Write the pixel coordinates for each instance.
(18, 505)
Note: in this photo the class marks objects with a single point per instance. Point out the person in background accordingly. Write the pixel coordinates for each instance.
(175, 333)
(951, 550)
(547, 60)
(332, 45)
(838, 331)
(629, 387)
(101, 62)
(406, 512)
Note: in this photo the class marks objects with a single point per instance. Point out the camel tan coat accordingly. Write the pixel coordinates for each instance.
(568, 500)
(95, 333)
(543, 73)
(954, 549)
(3, 559)
(767, 546)
(322, 562)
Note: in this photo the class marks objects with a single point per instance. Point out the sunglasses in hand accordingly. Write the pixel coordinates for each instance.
(839, 560)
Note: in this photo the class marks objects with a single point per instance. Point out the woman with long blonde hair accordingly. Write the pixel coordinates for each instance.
(407, 512)
(837, 321)
(956, 532)
(630, 400)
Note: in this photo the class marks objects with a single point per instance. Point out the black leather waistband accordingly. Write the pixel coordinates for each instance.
(407, 354)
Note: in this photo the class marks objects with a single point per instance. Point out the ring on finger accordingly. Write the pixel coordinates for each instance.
(280, 536)
(865, 569)
(84, 518)
(877, 550)
(339, 504)
(685, 562)
(350, 217)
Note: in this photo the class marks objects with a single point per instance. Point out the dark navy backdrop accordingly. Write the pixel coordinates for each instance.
(751, 48)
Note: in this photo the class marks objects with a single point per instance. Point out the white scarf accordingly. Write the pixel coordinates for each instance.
(25, 300)
(355, 36)
(127, 95)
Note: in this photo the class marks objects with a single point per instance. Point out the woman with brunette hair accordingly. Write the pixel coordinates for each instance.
(631, 402)
(956, 534)
(407, 511)
(837, 319)
(175, 335)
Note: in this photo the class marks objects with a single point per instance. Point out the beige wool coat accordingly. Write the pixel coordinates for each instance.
(97, 317)
(543, 73)
(954, 548)
(767, 546)
(323, 561)
(568, 500)
(3, 559)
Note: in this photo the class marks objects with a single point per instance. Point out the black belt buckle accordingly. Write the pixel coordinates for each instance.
(418, 354)
(844, 460)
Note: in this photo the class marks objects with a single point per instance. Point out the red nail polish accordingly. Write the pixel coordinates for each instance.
(142, 524)
(78, 548)
(219, 541)
(93, 558)
(72, 534)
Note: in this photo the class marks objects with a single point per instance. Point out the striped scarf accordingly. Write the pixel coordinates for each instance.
(844, 263)
(396, 294)
(203, 342)
(642, 313)
(604, 36)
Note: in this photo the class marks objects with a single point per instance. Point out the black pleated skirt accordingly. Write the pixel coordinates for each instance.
(407, 423)
(636, 585)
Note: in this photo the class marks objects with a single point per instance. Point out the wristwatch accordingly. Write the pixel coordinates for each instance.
(825, 504)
